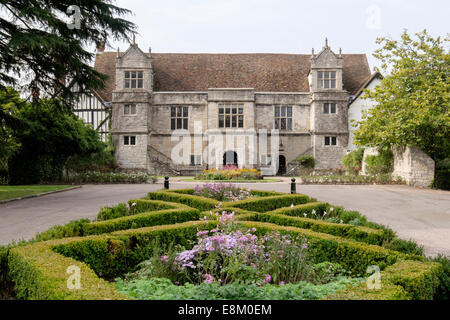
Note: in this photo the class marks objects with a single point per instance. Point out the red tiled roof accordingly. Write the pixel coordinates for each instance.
(262, 71)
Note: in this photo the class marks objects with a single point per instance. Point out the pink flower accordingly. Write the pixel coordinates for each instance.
(268, 278)
(208, 278)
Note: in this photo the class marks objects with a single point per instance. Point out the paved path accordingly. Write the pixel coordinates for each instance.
(419, 214)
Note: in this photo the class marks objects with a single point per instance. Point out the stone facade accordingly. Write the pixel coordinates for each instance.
(322, 134)
(414, 166)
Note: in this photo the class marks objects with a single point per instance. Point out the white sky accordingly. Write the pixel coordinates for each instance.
(279, 26)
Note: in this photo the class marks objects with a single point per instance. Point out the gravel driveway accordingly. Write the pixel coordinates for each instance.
(419, 214)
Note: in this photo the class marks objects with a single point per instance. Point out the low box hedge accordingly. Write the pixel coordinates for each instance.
(360, 291)
(190, 200)
(39, 273)
(144, 219)
(419, 279)
(269, 203)
(405, 280)
(362, 234)
(354, 256)
(302, 209)
(144, 205)
(239, 213)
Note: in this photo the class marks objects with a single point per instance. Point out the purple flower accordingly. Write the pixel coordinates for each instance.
(268, 278)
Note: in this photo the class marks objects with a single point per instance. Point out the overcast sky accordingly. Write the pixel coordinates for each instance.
(279, 26)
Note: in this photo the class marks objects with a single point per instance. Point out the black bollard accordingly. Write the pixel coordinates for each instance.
(166, 182)
(293, 186)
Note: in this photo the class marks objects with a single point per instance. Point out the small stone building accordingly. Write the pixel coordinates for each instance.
(159, 98)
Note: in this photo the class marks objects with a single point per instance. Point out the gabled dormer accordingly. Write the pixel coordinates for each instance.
(134, 70)
(326, 70)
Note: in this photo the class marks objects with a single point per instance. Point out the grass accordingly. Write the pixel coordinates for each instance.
(11, 192)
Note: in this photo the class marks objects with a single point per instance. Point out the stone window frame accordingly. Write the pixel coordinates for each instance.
(230, 117)
(278, 119)
(128, 140)
(330, 141)
(179, 118)
(138, 79)
(329, 107)
(128, 109)
(325, 79)
(196, 160)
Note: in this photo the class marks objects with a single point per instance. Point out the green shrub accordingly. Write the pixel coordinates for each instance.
(269, 203)
(71, 229)
(106, 177)
(362, 234)
(352, 161)
(143, 205)
(303, 210)
(443, 291)
(352, 255)
(190, 200)
(380, 164)
(40, 273)
(164, 289)
(306, 161)
(145, 219)
(419, 279)
(117, 211)
(405, 246)
(360, 291)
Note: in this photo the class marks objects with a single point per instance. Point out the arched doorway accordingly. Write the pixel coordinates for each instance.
(230, 158)
(281, 165)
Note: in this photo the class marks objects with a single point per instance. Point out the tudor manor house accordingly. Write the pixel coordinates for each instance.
(305, 96)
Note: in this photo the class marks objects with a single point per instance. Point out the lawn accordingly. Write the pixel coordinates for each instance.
(11, 192)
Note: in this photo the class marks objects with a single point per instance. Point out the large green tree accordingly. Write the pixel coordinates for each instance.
(413, 98)
(39, 138)
(44, 41)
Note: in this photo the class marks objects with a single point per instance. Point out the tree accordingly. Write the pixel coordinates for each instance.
(40, 138)
(40, 45)
(413, 100)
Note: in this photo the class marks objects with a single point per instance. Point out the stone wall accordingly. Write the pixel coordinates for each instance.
(413, 165)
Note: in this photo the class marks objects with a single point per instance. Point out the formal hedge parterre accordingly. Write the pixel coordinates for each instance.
(110, 248)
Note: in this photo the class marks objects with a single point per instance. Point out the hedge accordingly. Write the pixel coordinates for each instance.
(419, 279)
(301, 209)
(140, 220)
(354, 256)
(197, 202)
(144, 205)
(39, 269)
(269, 203)
(360, 291)
(406, 280)
(361, 234)
(40, 273)
(238, 213)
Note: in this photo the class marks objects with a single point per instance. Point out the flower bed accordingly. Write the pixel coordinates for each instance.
(174, 244)
(230, 173)
(222, 192)
(351, 179)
